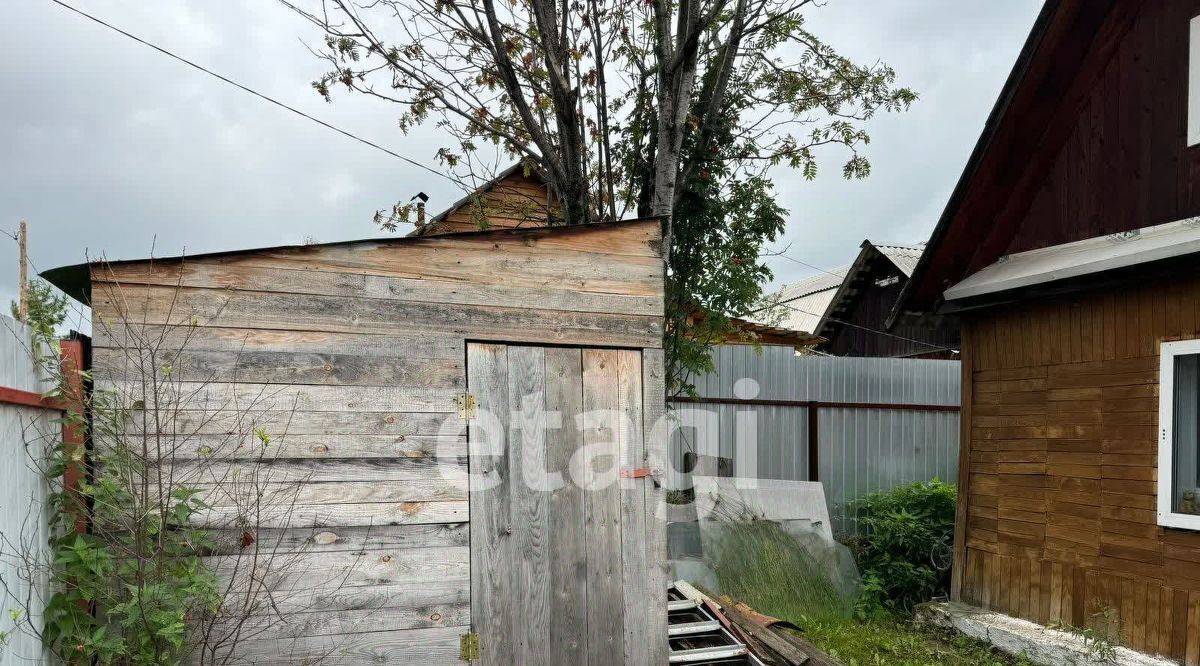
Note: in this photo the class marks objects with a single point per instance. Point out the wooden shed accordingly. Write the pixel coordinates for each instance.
(401, 367)
(1070, 250)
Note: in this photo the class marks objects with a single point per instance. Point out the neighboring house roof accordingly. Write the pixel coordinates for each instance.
(746, 331)
(903, 257)
(985, 208)
(516, 197)
(1081, 258)
(805, 301)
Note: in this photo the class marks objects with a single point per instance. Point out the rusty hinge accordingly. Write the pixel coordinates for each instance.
(468, 646)
(465, 403)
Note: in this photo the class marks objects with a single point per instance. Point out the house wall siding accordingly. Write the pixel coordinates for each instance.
(1060, 460)
(1125, 163)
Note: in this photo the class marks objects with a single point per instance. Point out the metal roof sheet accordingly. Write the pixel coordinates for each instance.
(905, 257)
(1085, 257)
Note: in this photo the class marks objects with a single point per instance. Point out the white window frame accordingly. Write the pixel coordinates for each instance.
(1193, 92)
(1166, 443)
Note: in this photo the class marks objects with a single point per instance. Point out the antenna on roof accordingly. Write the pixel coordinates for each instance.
(420, 207)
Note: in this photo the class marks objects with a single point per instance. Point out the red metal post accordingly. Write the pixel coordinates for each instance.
(74, 435)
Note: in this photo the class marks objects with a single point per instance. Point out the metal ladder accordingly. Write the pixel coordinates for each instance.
(697, 638)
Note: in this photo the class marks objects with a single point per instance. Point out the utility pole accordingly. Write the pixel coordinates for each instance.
(23, 302)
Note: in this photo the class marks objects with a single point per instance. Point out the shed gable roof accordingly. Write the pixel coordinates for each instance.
(516, 197)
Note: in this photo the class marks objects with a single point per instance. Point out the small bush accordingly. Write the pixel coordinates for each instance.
(905, 554)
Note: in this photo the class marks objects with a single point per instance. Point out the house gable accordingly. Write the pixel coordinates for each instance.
(1087, 138)
(513, 199)
(854, 320)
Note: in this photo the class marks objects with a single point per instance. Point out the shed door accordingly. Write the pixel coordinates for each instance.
(558, 540)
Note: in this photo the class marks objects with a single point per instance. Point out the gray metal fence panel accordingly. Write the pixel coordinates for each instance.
(23, 498)
(860, 450)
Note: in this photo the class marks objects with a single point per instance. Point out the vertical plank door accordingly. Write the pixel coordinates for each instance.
(561, 556)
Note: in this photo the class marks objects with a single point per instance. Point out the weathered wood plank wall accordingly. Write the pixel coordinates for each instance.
(351, 356)
(1061, 454)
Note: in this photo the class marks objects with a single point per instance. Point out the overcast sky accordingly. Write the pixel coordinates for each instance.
(110, 148)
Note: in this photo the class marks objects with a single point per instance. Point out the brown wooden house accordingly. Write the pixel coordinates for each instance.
(853, 322)
(1070, 250)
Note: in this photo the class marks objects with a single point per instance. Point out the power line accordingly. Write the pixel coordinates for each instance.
(251, 91)
(807, 265)
(864, 328)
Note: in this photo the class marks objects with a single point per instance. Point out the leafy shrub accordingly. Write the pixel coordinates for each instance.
(905, 554)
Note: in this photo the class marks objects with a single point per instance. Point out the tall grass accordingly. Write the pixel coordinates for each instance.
(795, 577)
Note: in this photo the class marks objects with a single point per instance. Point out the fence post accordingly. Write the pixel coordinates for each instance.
(814, 442)
(71, 363)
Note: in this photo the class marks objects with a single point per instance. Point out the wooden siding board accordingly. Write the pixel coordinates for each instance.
(1078, 429)
(602, 529)
(636, 592)
(657, 564)
(529, 528)
(491, 547)
(568, 549)
(343, 314)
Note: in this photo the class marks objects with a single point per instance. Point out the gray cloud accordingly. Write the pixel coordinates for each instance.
(111, 148)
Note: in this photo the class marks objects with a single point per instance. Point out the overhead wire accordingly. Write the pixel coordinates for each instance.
(861, 327)
(262, 96)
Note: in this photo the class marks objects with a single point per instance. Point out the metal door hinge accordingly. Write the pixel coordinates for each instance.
(468, 646)
(640, 473)
(465, 402)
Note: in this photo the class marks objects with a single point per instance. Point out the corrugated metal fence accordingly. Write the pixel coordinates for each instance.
(880, 422)
(22, 491)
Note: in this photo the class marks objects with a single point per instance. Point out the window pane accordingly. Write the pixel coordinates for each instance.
(1186, 431)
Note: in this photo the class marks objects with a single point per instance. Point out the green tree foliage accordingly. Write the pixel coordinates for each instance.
(722, 223)
(675, 109)
(47, 308)
(905, 555)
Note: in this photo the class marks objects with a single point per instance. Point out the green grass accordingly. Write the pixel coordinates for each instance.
(896, 642)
